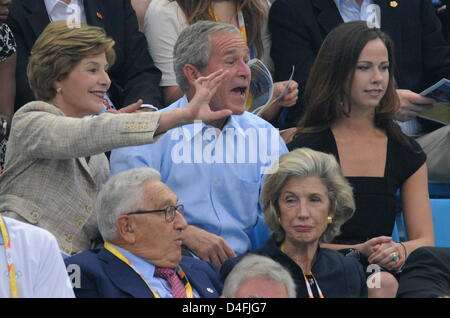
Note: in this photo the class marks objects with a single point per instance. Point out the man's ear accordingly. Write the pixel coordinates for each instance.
(125, 227)
(191, 73)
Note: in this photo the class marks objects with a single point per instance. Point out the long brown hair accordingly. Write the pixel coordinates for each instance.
(255, 15)
(333, 70)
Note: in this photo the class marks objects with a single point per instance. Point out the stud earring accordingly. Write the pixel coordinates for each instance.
(330, 219)
(58, 90)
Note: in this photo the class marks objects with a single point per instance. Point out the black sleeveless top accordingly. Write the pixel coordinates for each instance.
(375, 197)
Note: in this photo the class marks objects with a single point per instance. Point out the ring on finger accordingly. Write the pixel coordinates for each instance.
(394, 256)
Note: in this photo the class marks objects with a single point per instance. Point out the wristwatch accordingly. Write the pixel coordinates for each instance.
(352, 253)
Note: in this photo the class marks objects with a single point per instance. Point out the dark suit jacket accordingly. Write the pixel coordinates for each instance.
(298, 29)
(103, 275)
(338, 276)
(426, 274)
(133, 75)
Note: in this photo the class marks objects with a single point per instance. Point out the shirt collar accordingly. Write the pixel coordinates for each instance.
(341, 3)
(233, 122)
(51, 4)
(146, 269)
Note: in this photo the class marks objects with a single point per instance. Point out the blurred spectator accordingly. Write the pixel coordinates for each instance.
(142, 224)
(140, 7)
(31, 265)
(351, 104)
(173, 16)
(54, 162)
(133, 76)
(258, 276)
(306, 200)
(7, 78)
(216, 167)
(443, 14)
(298, 29)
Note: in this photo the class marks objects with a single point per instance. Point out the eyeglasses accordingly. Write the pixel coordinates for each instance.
(169, 212)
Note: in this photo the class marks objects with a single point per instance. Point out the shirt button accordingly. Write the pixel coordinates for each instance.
(69, 237)
(88, 208)
(80, 223)
(67, 251)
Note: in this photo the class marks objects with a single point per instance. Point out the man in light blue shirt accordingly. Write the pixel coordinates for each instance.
(216, 168)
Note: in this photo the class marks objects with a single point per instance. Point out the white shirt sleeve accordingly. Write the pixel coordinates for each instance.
(52, 280)
(39, 266)
(163, 23)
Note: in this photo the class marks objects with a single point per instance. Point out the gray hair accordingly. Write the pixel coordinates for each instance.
(254, 265)
(305, 162)
(122, 194)
(194, 47)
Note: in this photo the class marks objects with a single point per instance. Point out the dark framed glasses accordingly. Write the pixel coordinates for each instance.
(169, 212)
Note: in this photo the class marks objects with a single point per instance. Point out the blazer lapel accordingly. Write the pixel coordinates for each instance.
(389, 23)
(37, 15)
(124, 277)
(95, 12)
(328, 16)
(198, 280)
(84, 165)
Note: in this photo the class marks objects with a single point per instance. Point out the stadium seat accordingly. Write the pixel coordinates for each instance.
(441, 221)
(439, 190)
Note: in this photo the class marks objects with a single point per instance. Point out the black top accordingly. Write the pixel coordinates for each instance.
(338, 276)
(375, 197)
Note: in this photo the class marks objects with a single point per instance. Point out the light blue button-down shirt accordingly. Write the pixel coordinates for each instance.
(351, 11)
(218, 179)
(73, 12)
(147, 270)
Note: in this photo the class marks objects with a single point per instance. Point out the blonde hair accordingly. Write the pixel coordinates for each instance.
(59, 49)
(305, 162)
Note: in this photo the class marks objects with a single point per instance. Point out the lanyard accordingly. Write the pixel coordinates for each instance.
(9, 260)
(310, 281)
(241, 21)
(119, 255)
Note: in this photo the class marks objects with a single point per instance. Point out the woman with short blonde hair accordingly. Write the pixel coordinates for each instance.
(54, 162)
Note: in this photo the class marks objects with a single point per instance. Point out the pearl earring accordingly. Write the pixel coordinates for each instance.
(58, 90)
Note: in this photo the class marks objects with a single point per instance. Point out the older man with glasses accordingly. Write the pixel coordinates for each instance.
(141, 224)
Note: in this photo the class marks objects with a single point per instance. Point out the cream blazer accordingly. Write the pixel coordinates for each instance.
(47, 180)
